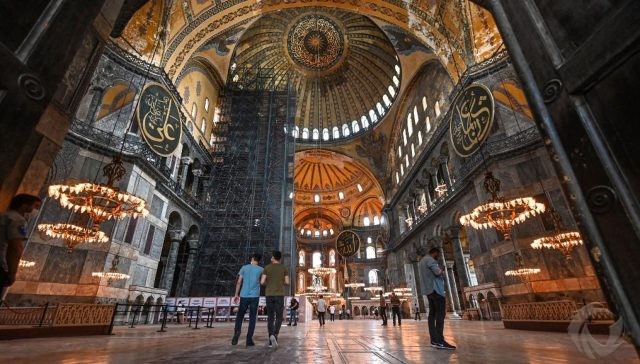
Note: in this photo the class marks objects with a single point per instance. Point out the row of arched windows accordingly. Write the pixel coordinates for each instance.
(316, 258)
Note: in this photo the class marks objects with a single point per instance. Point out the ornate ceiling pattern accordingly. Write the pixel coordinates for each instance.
(344, 70)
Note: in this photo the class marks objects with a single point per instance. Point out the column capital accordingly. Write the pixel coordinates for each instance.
(176, 235)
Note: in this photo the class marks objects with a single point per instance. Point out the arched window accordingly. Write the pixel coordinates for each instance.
(359, 187)
(295, 132)
(341, 195)
(401, 169)
(406, 159)
(399, 151)
(305, 133)
(355, 126)
(376, 220)
(419, 137)
(366, 221)
(396, 81)
(332, 258)
(301, 257)
(203, 125)
(370, 253)
(404, 137)
(413, 150)
(415, 114)
(206, 104)
(397, 69)
(336, 132)
(364, 121)
(392, 91)
(380, 108)
(316, 260)
(424, 103)
(409, 125)
(325, 232)
(437, 109)
(194, 110)
(427, 121)
(316, 234)
(373, 276)
(316, 198)
(373, 116)
(386, 100)
(325, 134)
(369, 240)
(345, 130)
(316, 134)
(397, 178)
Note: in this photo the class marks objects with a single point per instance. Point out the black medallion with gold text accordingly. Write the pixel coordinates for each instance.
(471, 119)
(159, 119)
(347, 243)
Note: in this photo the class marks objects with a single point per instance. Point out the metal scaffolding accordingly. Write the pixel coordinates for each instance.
(250, 209)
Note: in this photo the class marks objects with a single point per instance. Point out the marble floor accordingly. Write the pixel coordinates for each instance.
(354, 341)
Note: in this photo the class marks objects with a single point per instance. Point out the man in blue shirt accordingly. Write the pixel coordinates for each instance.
(249, 280)
(432, 281)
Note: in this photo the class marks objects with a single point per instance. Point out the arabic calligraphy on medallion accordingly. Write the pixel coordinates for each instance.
(471, 119)
(159, 120)
(347, 243)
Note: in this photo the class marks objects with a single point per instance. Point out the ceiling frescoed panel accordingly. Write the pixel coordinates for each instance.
(344, 69)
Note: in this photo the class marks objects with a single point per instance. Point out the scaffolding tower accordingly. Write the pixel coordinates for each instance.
(249, 209)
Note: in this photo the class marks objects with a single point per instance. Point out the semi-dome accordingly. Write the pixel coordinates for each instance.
(343, 68)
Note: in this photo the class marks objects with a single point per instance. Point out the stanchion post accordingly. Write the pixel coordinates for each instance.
(44, 313)
(210, 318)
(190, 313)
(135, 314)
(197, 318)
(113, 319)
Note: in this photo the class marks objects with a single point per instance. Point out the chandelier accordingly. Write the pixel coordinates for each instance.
(422, 208)
(354, 285)
(353, 298)
(321, 271)
(74, 234)
(26, 263)
(112, 274)
(498, 213)
(409, 221)
(562, 239)
(521, 271)
(402, 290)
(441, 189)
(373, 289)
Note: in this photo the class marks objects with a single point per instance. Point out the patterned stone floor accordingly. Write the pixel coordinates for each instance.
(356, 341)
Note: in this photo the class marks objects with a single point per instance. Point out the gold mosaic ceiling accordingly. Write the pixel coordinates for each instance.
(344, 70)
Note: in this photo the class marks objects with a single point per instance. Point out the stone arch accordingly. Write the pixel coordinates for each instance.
(455, 218)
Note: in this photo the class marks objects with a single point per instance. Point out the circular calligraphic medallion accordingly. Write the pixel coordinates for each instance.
(347, 243)
(159, 119)
(471, 119)
(316, 42)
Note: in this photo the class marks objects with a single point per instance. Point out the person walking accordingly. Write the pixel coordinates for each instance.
(433, 286)
(395, 308)
(275, 276)
(416, 312)
(249, 296)
(383, 309)
(332, 313)
(321, 307)
(13, 235)
(293, 312)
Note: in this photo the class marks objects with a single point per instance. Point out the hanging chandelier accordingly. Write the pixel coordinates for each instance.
(498, 213)
(74, 234)
(321, 271)
(373, 289)
(26, 263)
(441, 189)
(112, 274)
(562, 239)
(521, 271)
(354, 285)
(402, 290)
(101, 202)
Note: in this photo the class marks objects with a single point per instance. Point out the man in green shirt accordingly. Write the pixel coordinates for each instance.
(275, 276)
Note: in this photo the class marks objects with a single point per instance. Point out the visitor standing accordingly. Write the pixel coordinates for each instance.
(332, 313)
(180, 311)
(395, 308)
(293, 312)
(249, 295)
(348, 314)
(275, 276)
(13, 234)
(416, 312)
(321, 307)
(433, 286)
(383, 309)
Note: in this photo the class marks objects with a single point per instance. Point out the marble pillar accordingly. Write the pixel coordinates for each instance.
(454, 288)
(458, 254)
(185, 286)
(185, 161)
(454, 315)
(167, 280)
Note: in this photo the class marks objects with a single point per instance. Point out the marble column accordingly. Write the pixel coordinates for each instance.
(194, 187)
(454, 315)
(458, 254)
(167, 280)
(454, 287)
(186, 161)
(185, 286)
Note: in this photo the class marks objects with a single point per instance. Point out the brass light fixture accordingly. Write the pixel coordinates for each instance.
(498, 213)
(521, 271)
(321, 271)
(562, 239)
(73, 234)
(112, 274)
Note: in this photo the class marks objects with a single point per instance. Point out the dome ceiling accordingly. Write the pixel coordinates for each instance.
(344, 70)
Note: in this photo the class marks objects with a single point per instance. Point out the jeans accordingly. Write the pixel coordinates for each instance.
(332, 316)
(250, 303)
(417, 316)
(293, 316)
(321, 318)
(383, 314)
(395, 311)
(436, 317)
(275, 308)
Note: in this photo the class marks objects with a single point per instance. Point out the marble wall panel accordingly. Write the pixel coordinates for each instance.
(95, 262)
(37, 253)
(63, 267)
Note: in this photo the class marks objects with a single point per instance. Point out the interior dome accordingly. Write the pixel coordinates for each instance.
(343, 68)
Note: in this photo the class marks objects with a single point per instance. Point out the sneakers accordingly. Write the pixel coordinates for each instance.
(234, 341)
(443, 345)
(273, 342)
(250, 343)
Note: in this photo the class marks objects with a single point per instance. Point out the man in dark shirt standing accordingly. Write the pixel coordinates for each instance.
(395, 308)
(293, 312)
(275, 276)
(383, 309)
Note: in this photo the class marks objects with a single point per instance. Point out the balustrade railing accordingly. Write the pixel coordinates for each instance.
(552, 311)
